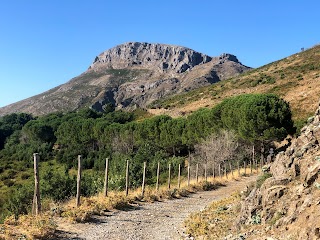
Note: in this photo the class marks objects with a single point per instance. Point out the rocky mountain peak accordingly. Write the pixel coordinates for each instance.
(228, 57)
(133, 74)
(161, 57)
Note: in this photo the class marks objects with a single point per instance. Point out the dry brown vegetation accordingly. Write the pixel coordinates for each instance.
(215, 221)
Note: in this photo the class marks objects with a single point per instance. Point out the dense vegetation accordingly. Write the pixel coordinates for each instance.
(59, 138)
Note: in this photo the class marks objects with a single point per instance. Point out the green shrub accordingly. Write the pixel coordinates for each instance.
(262, 178)
(8, 182)
(256, 219)
(57, 185)
(19, 200)
(257, 116)
(25, 176)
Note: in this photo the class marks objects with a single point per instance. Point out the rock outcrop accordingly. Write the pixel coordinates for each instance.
(288, 202)
(133, 75)
(161, 57)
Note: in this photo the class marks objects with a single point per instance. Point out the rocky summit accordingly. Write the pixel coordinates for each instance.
(133, 75)
(160, 57)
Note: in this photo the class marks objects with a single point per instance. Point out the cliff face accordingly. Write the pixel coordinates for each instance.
(133, 75)
(288, 202)
(159, 57)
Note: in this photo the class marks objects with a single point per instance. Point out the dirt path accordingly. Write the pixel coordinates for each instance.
(159, 220)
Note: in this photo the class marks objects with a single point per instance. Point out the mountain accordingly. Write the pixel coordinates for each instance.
(133, 75)
(294, 78)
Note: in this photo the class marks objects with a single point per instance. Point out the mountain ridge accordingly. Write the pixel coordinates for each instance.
(132, 75)
(293, 78)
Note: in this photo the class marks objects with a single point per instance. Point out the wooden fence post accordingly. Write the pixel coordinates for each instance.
(158, 173)
(188, 174)
(225, 170)
(197, 170)
(106, 178)
(213, 172)
(36, 206)
(169, 176)
(262, 157)
(231, 170)
(253, 157)
(245, 167)
(253, 160)
(143, 178)
(205, 172)
(127, 178)
(179, 176)
(79, 181)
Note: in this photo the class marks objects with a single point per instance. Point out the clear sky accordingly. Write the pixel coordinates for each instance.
(45, 43)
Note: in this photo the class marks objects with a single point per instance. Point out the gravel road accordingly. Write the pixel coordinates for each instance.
(159, 220)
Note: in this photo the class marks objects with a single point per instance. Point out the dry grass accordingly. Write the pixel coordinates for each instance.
(43, 226)
(28, 227)
(216, 221)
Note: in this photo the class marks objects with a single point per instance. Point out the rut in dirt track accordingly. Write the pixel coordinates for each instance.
(159, 220)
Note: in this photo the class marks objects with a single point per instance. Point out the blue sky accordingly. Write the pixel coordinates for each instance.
(45, 43)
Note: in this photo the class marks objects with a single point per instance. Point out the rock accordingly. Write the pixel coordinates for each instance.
(310, 119)
(289, 151)
(312, 174)
(316, 120)
(160, 56)
(272, 194)
(266, 168)
(272, 181)
(279, 166)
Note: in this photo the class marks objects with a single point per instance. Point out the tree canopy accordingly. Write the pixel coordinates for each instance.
(257, 116)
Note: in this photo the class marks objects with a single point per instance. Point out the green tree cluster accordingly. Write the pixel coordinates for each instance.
(257, 117)
(118, 136)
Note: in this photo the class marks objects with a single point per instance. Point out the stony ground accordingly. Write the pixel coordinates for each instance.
(159, 220)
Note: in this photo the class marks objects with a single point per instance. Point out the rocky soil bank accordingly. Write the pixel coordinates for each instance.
(287, 205)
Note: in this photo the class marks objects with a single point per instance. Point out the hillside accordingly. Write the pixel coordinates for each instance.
(132, 75)
(295, 78)
(288, 201)
(283, 202)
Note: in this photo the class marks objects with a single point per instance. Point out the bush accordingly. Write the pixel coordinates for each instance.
(19, 200)
(257, 116)
(25, 176)
(262, 178)
(8, 182)
(57, 185)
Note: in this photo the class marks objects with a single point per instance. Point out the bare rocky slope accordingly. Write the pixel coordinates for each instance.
(288, 203)
(133, 75)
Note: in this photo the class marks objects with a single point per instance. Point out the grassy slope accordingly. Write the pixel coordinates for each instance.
(295, 78)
